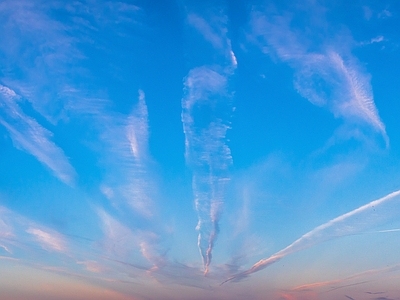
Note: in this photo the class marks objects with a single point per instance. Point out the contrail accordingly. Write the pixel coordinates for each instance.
(346, 224)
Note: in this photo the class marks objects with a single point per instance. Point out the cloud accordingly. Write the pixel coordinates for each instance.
(206, 109)
(326, 73)
(23, 236)
(347, 224)
(374, 293)
(36, 51)
(377, 39)
(213, 27)
(48, 240)
(216, 36)
(5, 229)
(5, 249)
(130, 180)
(206, 112)
(42, 54)
(123, 242)
(137, 128)
(29, 135)
(92, 266)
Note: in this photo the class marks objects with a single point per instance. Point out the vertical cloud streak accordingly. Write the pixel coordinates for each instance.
(127, 141)
(205, 110)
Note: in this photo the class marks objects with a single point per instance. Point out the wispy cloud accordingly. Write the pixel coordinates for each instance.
(137, 128)
(92, 266)
(30, 70)
(126, 140)
(122, 242)
(23, 234)
(206, 112)
(48, 240)
(352, 222)
(206, 109)
(6, 229)
(29, 135)
(321, 288)
(213, 27)
(215, 35)
(326, 74)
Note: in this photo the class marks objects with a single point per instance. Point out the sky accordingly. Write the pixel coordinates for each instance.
(211, 150)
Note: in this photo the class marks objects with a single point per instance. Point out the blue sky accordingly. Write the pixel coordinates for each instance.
(199, 149)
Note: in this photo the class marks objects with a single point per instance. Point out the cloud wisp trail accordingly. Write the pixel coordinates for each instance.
(29, 135)
(346, 224)
(207, 153)
(206, 112)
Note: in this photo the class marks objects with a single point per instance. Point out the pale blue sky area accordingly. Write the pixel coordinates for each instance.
(199, 149)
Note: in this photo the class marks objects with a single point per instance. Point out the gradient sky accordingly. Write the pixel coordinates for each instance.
(178, 149)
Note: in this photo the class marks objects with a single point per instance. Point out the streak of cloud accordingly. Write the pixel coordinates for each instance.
(206, 113)
(126, 139)
(349, 223)
(48, 240)
(13, 229)
(216, 36)
(137, 128)
(326, 74)
(214, 31)
(205, 110)
(29, 135)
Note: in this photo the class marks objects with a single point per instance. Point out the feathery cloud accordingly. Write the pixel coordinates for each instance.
(326, 74)
(126, 139)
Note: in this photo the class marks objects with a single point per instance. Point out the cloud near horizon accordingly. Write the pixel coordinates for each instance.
(349, 223)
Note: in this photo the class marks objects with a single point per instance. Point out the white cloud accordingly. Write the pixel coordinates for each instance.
(137, 128)
(212, 35)
(129, 179)
(213, 26)
(326, 74)
(29, 135)
(206, 109)
(48, 240)
(355, 221)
